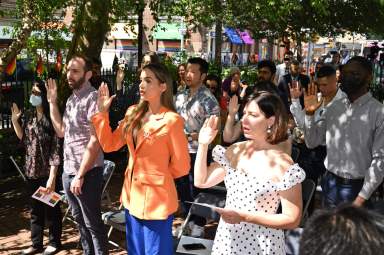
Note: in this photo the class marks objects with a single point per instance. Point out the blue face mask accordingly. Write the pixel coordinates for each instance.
(35, 100)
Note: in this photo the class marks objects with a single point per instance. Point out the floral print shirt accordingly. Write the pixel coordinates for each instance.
(42, 146)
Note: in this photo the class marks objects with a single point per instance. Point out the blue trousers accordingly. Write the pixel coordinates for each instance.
(337, 191)
(148, 237)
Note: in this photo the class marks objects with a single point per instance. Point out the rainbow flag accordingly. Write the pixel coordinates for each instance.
(59, 60)
(39, 67)
(11, 67)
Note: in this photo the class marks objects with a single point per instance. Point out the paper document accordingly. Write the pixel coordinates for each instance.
(50, 199)
(204, 204)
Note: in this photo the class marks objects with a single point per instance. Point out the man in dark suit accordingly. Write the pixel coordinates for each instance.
(289, 79)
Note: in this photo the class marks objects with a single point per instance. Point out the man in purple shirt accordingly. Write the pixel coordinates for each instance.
(83, 157)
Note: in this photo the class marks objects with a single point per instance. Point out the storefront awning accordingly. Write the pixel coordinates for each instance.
(123, 31)
(246, 37)
(233, 36)
(168, 45)
(167, 31)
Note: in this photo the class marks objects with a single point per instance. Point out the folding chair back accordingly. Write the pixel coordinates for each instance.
(216, 197)
(308, 188)
(205, 212)
(108, 169)
(18, 169)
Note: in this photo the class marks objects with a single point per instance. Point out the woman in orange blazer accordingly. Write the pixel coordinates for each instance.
(158, 154)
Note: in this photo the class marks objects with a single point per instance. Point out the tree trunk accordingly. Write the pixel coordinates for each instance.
(90, 28)
(29, 23)
(218, 42)
(91, 25)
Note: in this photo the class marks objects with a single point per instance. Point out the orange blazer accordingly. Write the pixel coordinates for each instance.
(160, 156)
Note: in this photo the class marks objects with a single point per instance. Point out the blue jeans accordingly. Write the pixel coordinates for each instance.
(86, 210)
(148, 237)
(337, 190)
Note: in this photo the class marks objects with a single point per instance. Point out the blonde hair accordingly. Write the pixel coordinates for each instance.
(133, 120)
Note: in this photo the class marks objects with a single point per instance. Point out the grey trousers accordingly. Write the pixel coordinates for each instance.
(86, 210)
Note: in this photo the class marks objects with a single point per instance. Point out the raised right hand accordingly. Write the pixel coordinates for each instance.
(119, 78)
(51, 87)
(103, 99)
(233, 106)
(295, 90)
(16, 113)
(311, 104)
(209, 130)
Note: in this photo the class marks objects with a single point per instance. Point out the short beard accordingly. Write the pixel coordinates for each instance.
(77, 84)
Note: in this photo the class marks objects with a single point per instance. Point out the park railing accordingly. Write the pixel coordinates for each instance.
(18, 91)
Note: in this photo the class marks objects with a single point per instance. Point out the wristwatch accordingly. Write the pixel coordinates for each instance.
(189, 137)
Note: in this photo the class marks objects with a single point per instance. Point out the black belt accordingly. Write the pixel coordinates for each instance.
(341, 180)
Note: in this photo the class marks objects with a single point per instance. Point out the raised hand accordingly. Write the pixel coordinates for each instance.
(51, 87)
(119, 78)
(209, 130)
(103, 99)
(311, 102)
(243, 85)
(233, 106)
(16, 113)
(295, 90)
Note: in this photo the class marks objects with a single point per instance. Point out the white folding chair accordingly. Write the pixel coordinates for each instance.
(116, 220)
(216, 198)
(108, 169)
(18, 168)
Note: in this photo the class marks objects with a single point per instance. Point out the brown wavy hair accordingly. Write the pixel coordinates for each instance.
(271, 105)
(133, 120)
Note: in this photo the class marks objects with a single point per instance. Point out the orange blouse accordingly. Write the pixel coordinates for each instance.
(160, 156)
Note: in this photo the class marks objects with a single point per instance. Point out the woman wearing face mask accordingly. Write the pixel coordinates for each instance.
(41, 163)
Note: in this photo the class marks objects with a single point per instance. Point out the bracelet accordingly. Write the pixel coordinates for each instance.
(79, 177)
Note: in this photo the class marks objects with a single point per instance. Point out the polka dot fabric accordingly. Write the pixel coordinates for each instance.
(247, 192)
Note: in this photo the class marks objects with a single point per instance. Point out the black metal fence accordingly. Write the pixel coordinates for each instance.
(13, 92)
(18, 92)
(377, 87)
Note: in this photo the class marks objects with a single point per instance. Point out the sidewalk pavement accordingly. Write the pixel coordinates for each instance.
(14, 219)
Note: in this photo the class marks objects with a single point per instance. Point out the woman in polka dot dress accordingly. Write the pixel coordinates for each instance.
(258, 176)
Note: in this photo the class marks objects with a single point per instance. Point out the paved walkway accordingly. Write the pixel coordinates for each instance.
(14, 219)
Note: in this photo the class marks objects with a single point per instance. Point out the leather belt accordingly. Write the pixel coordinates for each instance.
(345, 181)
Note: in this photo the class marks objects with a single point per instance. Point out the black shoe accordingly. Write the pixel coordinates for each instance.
(50, 250)
(31, 250)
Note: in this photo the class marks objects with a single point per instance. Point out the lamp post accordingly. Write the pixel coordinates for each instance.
(182, 31)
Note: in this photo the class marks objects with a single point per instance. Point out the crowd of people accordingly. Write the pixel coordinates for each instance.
(261, 140)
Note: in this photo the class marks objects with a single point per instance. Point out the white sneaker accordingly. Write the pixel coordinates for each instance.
(196, 231)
